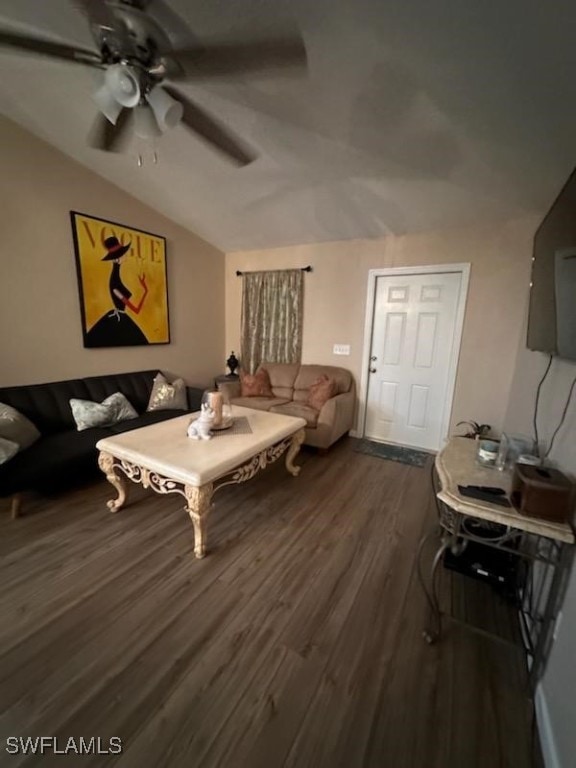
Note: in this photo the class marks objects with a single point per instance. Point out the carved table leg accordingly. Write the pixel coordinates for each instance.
(294, 448)
(198, 506)
(106, 464)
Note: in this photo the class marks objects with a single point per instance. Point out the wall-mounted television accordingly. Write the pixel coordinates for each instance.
(552, 313)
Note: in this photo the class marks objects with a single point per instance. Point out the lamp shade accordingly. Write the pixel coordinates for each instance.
(145, 125)
(168, 111)
(107, 104)
(122, 83)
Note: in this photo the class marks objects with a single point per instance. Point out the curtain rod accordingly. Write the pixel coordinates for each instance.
(302, 269)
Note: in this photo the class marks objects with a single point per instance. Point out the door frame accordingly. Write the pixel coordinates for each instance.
(373, 275)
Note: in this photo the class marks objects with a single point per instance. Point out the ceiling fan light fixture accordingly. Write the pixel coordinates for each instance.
(167, 111)
(123, 84)
(107, 104)
(145, 124)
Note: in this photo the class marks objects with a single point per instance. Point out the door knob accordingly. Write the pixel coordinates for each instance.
(373, 358)
(372, 370)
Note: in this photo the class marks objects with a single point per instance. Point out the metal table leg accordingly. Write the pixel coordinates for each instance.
(432, 634)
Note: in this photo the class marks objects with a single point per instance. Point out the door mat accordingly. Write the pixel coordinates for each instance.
(392, 452)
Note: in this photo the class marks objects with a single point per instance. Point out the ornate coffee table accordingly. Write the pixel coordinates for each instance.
(163, 458)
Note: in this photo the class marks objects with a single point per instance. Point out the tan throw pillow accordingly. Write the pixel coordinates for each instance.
(167, 396)
(321, 391)
(257, 385)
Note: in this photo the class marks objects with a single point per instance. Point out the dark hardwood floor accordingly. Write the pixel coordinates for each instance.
(296, 642)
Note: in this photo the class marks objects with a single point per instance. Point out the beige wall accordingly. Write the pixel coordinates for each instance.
(335, 301)
(40, 331)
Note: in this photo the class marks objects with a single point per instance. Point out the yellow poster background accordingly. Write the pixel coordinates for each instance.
(146, 256)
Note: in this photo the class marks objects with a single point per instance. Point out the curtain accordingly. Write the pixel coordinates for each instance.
(272, 311)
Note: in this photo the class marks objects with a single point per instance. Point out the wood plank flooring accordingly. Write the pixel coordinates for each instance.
(297, 642)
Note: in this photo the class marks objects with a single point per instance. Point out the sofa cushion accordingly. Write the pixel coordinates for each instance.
(54, 457)
(298, 409)
(257, 385)
(308, 374)
(282, 377)
(260, 403)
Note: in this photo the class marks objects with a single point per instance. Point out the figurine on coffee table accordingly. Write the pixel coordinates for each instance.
(199, 429)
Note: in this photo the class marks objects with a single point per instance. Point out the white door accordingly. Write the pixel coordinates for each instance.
(413, 334)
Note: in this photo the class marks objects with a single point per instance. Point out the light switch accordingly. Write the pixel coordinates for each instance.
(341, 349)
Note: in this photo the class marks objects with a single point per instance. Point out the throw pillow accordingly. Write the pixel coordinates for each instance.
(15, 427)
(167, 396)
(7, 449)
(256, 385)
(321, 391)
(88, 414)
(123, 407)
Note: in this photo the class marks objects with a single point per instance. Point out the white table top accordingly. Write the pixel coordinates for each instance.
(165, 448)
(456, 465)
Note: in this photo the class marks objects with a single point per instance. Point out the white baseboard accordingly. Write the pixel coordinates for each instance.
(354, 433)
(547, 742)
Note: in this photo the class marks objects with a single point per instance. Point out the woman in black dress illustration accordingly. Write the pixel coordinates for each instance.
(116, 328)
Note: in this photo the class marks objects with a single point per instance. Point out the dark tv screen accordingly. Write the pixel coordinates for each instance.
(552, 313)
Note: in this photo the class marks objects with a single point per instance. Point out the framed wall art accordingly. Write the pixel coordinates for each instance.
(122, 283)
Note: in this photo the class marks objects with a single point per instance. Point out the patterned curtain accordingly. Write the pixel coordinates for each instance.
(272, 311)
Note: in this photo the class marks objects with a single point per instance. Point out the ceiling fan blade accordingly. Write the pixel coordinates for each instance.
(97, 11)
(174, 26)
(239, 58)
(108, 137)
(212, 131)
(49, 48)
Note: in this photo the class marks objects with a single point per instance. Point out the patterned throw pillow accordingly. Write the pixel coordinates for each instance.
(7, 449)
(321, 391)
(256, 385)
(88, 414)
(16, 427)
(167, 396)
(124, 408)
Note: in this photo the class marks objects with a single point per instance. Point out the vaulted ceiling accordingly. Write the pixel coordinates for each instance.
(412, 116)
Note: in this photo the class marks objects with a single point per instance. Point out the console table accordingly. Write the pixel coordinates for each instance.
(534, 540)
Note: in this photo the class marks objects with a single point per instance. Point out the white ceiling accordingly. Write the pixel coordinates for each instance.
(413, 116)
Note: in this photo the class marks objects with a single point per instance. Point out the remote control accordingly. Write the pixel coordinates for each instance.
(489, 489)
(475, 492)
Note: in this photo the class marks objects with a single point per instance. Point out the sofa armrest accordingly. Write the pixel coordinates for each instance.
(194, 398)
(338, 414)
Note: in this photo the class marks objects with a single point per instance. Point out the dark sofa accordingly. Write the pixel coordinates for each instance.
(63, 454)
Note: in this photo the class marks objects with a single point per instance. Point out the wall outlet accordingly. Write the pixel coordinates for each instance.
(341, 349)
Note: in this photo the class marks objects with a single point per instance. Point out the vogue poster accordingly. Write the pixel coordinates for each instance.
(122, 282)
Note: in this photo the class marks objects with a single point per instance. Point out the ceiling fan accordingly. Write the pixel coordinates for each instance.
(140, 65)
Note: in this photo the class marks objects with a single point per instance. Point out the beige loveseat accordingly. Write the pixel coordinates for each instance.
(290, 385)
